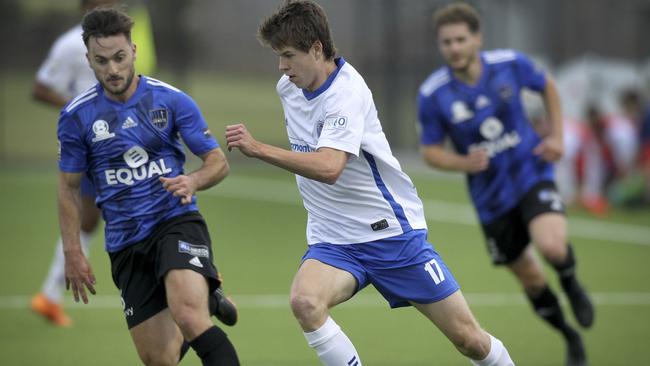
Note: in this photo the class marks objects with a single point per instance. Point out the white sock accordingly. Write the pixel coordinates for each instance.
(332, 346)
(54, 284)
(498, 355)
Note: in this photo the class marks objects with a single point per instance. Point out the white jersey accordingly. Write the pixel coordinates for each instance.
(373, 198)
(66, 69)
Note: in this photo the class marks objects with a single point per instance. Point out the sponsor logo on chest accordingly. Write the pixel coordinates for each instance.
(140, 168)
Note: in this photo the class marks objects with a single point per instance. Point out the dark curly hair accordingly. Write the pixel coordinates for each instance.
(106, 22)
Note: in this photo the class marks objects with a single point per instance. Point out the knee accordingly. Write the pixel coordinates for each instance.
(159, 358)
(554, 248)
(186, 315)
(473, 343)
(307, 309)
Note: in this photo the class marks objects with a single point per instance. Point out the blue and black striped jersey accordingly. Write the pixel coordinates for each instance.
(490, 116)
(126, 147)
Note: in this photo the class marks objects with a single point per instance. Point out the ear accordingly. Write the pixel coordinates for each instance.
(318, 49)
(134, 48)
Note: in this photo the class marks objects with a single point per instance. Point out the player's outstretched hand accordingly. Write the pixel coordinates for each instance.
(79, 275)
(477, 161)
(550, 149)
(238, 136)
(182, 186)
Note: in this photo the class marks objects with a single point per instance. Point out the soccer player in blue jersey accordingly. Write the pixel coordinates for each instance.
(365, 220)
(125, 133)
(475, 101)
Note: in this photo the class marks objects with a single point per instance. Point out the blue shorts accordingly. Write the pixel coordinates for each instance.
(87, 187)
(402, 268)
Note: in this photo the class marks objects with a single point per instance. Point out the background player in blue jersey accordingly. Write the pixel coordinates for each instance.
(126, 135)
(365, 221)
(475, 101)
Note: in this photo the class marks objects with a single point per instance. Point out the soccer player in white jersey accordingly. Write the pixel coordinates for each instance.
(365, 220)
(475, 100)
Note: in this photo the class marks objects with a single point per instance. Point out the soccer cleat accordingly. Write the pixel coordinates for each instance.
(581, 304)
(49, 310)
(222, 307)
(576, 355)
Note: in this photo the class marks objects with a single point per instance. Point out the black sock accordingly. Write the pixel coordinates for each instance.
(214, 348)
(567, 269)
(184, 348)
(548, 308)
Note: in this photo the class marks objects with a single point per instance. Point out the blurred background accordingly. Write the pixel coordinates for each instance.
(596, 50)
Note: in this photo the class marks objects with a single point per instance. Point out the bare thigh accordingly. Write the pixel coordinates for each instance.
(158, 339)
(548, 232)
(316, 288)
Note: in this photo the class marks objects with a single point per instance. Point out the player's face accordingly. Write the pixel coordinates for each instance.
(112, 59)
(459, 46)
(301, 67)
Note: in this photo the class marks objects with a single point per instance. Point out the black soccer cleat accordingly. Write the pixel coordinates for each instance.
(222, 308)
(583, 308)
(576, 355)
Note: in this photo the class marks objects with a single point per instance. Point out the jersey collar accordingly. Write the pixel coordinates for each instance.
(339, 61)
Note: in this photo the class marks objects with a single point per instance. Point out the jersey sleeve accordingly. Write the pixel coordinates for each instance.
(192, 127)
(430, 124)
(73, 151)
(344, 123)
(531, 76)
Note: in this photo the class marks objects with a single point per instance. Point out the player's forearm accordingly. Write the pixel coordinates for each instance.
(214, 169)
(69, 202)
(46, 95)
(551, 97)
(322, 166)
(441, 158)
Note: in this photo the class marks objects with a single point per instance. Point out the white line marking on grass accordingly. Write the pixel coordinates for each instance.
(278, 301)
(276, 191)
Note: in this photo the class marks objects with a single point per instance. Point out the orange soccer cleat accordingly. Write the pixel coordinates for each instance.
(51, 311)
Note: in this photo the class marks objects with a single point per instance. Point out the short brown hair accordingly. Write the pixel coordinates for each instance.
(457, 13)
(106, 22)
(297, 24)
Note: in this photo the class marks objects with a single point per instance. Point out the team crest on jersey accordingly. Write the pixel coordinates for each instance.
(159, 118)
(460, 112)
(100, 128)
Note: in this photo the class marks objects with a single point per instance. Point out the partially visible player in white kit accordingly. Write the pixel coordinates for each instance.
(365, 220)
(63, 75)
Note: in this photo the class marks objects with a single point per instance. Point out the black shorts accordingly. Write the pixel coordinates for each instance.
(508, 236)
(182, 242)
